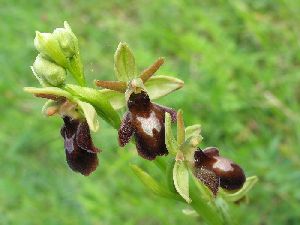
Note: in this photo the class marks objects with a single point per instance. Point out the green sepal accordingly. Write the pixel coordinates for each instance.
(170, 140)
(90, 114)
(169, 175)
(160, 85)
(124, 63)
(99, 101)
(49, 91)
(181, 180)
(237, 195)
(150, 183)
(118, 100)
(193, 130)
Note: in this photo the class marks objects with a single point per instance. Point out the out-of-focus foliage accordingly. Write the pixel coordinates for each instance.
(240, 61)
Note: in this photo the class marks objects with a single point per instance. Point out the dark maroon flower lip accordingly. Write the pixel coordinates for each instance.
(216, 171)
(145, 121)
(81, 154)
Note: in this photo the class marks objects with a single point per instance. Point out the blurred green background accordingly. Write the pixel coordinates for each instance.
(240, 61)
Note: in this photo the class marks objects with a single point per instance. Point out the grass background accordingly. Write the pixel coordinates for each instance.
(240, 61)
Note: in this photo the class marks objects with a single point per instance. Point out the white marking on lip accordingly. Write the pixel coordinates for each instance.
(149, 124)
(223, 164)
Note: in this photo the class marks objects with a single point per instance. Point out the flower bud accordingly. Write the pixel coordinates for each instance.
(67, 41)
(48, 71)
(48, 45)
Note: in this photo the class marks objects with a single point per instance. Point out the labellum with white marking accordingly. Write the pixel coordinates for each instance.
(216, 171)
(145, 121)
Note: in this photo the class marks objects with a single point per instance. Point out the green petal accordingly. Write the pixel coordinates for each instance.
(49, 90)
(159, 86)
(181, 180)
(90, 115)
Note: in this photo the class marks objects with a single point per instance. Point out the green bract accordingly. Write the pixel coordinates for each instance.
(99, 101)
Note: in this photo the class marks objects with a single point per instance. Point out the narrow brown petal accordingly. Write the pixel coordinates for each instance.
(147, 73)
(119, 86)
(171, 111)
(126, 130)
(50, 96)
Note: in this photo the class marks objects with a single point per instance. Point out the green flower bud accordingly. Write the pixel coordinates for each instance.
(48, 71)
(67, 41)
(48, 45)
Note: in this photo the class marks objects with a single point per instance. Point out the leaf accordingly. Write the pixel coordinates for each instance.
(48, 91)
(181, 180)
(124, 63)
(152, 184)
(171, 142)
(90, 115)
(99, 101)
(116, 99)
(180, 128)
(159, 86)
(193, 130)
(235, 196)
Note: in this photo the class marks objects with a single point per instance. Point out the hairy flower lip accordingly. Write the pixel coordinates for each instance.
(145, 121)
(214, 170)
(81, 154)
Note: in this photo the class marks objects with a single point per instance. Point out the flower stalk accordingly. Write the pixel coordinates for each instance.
(204, 181)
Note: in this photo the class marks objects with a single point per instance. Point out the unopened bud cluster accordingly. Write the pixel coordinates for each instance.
(56, 51)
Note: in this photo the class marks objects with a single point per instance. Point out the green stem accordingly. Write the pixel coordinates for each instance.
(204, 210)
